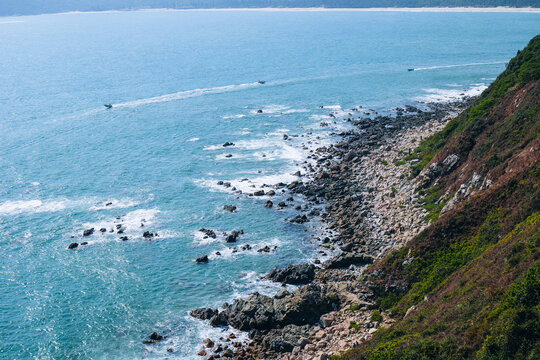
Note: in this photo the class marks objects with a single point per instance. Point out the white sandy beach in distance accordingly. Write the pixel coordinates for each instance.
(500, 9)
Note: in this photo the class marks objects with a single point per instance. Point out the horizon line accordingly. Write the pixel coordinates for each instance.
(499, 9)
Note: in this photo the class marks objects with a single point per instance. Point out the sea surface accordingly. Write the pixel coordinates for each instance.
(182, 83)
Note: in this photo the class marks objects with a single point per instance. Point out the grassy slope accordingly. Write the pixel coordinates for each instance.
(471, 281)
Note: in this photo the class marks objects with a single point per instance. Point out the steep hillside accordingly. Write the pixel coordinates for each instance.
(468, 287)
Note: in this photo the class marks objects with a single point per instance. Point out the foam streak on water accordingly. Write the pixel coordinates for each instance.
(186, 94)
(459, 65)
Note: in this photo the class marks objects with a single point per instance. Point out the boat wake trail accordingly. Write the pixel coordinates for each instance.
(187, 94)
(459, 65)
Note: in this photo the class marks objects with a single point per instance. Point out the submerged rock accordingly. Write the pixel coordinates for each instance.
(229, 208)
(202, 259)
(73, 245)
(88, 232)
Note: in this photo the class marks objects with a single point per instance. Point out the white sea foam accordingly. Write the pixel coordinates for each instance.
(14, 207)
(200, 238)
(186, 94)
(295, 111)
(320, 117)
(250, 185)
(114, 204)
(131, 222)
(252, 282)
(277, 110)
(229, 252)
(272, 140)
(446, 95)
(270, 109)
(285, 152)
(34, 183)
(238, 116)
(193, 139)
(332, 107)
(229, 156)
(458, 65)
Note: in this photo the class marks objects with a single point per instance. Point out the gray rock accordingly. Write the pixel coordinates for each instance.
(293, 274)
(203, 313)
(347, 259)
(88, 232)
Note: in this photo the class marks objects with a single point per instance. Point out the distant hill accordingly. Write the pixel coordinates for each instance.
(27, 7)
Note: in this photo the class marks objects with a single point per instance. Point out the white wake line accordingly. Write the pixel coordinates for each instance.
(213, 90)
(11, 22)
(186, 94)
(459, 65)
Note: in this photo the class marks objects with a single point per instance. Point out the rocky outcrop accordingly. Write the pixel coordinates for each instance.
(293, 274)
(475, 184)
(261, 312)
(348, 259)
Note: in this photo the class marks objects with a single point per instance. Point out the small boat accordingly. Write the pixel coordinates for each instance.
(108, 106)
(261, 82)
(411, 69)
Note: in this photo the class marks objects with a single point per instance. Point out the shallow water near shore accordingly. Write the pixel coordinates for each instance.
(182, 84)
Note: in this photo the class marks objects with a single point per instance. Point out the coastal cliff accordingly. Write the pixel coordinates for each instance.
(434, 218)
(468, 286)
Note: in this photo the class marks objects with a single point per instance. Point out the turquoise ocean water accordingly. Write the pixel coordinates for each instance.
(182, 84)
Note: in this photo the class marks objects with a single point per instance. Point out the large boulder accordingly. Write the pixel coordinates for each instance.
(293, 274)
(348, 259)
(203, 313)
(284, 340)
(260, 312)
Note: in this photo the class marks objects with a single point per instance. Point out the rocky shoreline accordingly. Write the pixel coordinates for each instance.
(371, 207)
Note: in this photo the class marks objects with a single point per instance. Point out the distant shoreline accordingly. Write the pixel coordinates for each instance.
(500, 9)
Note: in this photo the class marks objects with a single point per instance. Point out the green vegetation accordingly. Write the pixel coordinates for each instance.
(516, 331)
(376, 316)
(432, 202)
(430, 270)
(465, 322)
